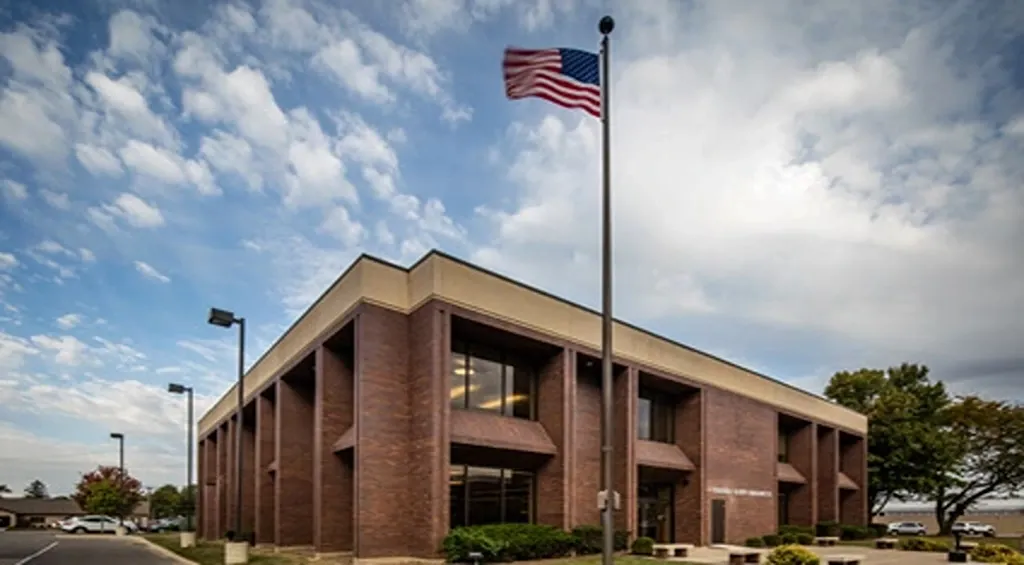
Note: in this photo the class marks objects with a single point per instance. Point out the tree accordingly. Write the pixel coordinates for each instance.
(4, 489)
(987, 438)
(37, 489)
(105, 491)
(187, 501)
(164, 502)
(906, 418)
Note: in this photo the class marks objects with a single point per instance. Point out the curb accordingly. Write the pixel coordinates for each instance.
(164, 551)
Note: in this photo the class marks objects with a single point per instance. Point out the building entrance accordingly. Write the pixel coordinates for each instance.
(655, 512)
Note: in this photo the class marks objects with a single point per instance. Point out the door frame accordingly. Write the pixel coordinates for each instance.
(717, 503)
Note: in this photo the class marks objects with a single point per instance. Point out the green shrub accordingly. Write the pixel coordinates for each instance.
(852, 532)
(993, 553)
(754, 542)
(788, 539)
(791, 529)
(792, 555)
(643, 546)
(923, 544)
(880, 530)
(772, 540)
(804, 539)
(1015, 560)
(507, 542)
(589, 539)
(827, 529)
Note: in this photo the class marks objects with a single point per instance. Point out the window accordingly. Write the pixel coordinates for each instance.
(783, 508)
(655, 417)
(485, 495)
(489, 380)
(783, 447)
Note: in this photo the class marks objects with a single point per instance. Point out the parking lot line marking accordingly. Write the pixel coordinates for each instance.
(37, 554)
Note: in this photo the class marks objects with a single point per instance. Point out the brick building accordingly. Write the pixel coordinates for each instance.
(408, 401)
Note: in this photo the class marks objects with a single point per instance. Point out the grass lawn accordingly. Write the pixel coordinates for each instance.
(1013, 542)
(212, 552)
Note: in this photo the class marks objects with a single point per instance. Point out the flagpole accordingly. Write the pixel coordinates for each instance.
(606, 25)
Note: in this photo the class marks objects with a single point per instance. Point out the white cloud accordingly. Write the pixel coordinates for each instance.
(133, 36)
(150, 272)
(98, 160)
(68, 321)
(129, 207)
(67, 350)
(339, 224)
(86, 255)
(58, 200)
(15, 190)
(7, 261)
(14, 350)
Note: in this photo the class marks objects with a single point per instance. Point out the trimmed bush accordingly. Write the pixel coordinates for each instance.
(923, 544)
(827, 529)
(880, 530)
(851, 532)
(643, 546)
(790, 529)
(507, 542)
(754, 542)
(792, 555)
(788, 539)
(993, 553)
(804, 539)
(772, 540)
(590, 539)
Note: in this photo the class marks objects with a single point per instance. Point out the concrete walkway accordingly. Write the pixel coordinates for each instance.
(718, 554)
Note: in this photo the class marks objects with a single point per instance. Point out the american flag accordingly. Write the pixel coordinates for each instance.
(567, 77)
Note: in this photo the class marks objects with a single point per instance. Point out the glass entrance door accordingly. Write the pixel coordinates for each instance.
(655, 512)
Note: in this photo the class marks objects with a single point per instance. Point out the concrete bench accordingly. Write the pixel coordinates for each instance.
(886, 543)
(665, 550)
(826, 540)
(740, 557)
(844, 559)
(968, 545)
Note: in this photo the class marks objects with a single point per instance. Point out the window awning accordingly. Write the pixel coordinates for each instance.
(346, 440)
(846, 483)
(662, 456)
(788, 474)
(483, 429)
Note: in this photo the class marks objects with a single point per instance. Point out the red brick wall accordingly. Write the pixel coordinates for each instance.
(222, 523)
(741, 436)
(427, 462)
(689, 495)
(853, 462)
(803, 499)
(587, 438)
(623, 449)
(202, 492)
(248, 476)
(382, 425)
(554, 382)
(293, 497)
(228, 502)
(333, 489)
(828, 468)
(263, 493)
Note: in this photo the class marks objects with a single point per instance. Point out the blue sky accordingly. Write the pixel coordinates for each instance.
(801, 188)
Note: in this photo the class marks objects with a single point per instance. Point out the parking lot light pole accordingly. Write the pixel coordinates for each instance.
(120, 478)
(175, 388)
(226, 319)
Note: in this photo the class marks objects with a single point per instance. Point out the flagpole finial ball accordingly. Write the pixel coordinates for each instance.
(606, 25)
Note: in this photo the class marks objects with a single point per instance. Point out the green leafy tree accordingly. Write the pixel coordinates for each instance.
(164, 501)
(987, 439)
(93, 492)
(37, 489)
(187, 501)
(906, 422)
(4, 489)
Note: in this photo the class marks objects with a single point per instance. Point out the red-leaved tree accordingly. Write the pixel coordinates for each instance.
(105, 491)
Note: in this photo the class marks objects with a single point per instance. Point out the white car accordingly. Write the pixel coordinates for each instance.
(974, 529)
(907, 529)
(95, 525)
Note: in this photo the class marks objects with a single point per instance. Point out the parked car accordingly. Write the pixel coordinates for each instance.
(907, 529)
(95, 525)
(166, 525)
(974, 529)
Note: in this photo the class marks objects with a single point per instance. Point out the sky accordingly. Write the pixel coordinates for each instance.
(800, 187)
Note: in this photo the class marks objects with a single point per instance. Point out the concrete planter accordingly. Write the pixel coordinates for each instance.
(236, 552)
(120, 531)
(188, 539)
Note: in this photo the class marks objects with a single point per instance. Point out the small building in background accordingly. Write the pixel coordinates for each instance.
(1006, 515)
(46, 512)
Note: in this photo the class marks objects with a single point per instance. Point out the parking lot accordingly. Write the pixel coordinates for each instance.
(48, 548)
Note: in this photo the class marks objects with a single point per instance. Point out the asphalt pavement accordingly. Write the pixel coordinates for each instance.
(47, 548)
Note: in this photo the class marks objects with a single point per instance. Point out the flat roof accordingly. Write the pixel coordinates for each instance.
(439, 275)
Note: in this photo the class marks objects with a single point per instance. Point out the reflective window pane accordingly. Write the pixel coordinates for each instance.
(643, 419)
(484, 495)
(458, 387)
(485, 380)
(518, 496)
(655, 416)
(457, 495)
(521, 398)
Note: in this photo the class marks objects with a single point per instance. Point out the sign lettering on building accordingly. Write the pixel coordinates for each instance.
(729, 491)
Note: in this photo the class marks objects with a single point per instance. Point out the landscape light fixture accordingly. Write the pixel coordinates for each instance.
(226, 319)
(175, 388)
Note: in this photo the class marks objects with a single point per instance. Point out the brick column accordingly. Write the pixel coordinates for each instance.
(229, 475)
(803, 499)
(332, 478)
(265, 452)
(222, 492)
(689, 491)
(200, 494)
(554, 382)
(853, 463)
(293, 489)
(429, 344)
(209, 485)
(249, 470)
(626, 384)
(828, 470)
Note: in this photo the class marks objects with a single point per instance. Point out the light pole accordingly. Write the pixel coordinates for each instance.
(120, 478)
(174, 388)
(226, 319)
